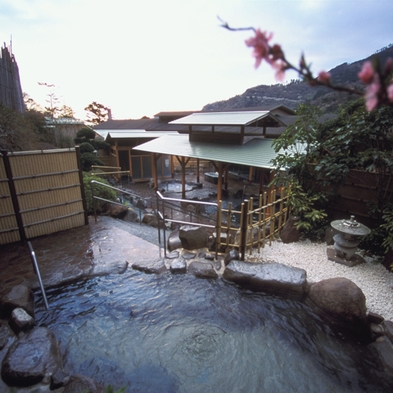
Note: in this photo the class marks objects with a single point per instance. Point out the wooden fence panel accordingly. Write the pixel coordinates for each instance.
(48, 191)
(358, 191)
(258, 222)
(9, 232)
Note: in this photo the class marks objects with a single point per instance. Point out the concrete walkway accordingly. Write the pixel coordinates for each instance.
(95, 249)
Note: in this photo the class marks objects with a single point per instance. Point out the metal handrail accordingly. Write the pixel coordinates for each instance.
(92, 182)
(37, 272)
(161, 216)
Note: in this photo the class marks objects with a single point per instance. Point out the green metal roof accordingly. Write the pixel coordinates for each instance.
(240, 118)
(257, 153)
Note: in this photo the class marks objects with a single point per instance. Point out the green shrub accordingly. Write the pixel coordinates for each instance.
(89, 159)
(100, 191)
(86, 147)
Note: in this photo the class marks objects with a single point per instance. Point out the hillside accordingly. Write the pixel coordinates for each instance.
(297, 92)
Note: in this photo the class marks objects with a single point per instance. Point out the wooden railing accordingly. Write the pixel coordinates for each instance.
(256, 223)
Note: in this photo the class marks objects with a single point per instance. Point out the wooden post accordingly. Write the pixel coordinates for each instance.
(183, 162)
(14, 197)
(83, 194)
(197, 171)
(243, 229)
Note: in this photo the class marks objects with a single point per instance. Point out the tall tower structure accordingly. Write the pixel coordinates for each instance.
(10, 87)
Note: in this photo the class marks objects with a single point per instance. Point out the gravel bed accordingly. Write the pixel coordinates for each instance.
(374, 280)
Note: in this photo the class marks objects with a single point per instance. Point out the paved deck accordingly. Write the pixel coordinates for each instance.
(94, 249)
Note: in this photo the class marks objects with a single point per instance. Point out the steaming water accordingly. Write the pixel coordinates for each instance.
(177, 333)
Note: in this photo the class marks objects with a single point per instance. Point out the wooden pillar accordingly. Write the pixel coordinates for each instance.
(219, 182)
(155, 158)
(183, 162)
(261, 180)
(117, 157)
(250, 174)
(221, 168)
(197, 171)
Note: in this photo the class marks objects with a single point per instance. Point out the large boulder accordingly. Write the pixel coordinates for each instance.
(273, 278)
(20, 320)
(150, 219)
(20, 296)
(174, 241)
(118, 211)
(342, 300)
(81, 384)
(29, 359)
(202, 269)
(150, 266)
(193, 237)
(290, 233)
(178, 266)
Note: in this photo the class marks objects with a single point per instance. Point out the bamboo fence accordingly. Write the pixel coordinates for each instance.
(41, 192)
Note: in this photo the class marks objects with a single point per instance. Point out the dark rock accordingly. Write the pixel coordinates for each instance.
(118, 211)
(193, 237)
(5, 334)
(189, 255)
(174, 241)
(21, 320)
(103, 269)
(329, 234)
(34, 355)
(385, 351)
(81, 384)
(209, 257)
(388, 328)
(268, 277)
(19, 296)
(173, 255)
(131, 215)
(388, 260)
(289, 233)
(374, 318)
(178, 266)
(141, 204)
(202, 269)
(342, 300)
(150, 219)
(150, 267)
(58, 379)
(233, 254)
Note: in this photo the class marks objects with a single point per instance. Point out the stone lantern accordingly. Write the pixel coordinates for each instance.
(348, 236)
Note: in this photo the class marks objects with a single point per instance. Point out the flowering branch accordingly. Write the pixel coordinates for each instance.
(378, 81)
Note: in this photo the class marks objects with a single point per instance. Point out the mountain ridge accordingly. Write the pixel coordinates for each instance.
(297, 91)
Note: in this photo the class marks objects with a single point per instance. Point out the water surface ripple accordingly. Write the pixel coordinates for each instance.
(177, 333)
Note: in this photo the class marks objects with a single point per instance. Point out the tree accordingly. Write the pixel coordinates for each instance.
(88, 146)
(295, 149)
(97, 113)
(52, 100)
(22, 131)
(66, 111)
(357, 139)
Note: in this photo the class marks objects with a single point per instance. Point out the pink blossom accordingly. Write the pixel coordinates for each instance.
(281, 67)
(260, 43)
(390, 92)
(366, 75)
(324, 77)
(372, 93)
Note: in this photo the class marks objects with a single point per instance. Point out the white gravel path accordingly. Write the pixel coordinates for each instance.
(372, 277)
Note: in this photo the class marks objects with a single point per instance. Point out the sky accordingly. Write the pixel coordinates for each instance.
(141, 57)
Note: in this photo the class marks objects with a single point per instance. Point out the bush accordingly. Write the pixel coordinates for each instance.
(100, 191)
(86, 147)
(86, 133)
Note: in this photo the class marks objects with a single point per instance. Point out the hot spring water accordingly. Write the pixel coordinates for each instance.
(177, 333)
